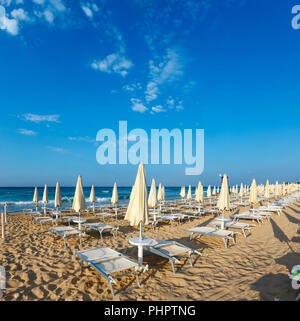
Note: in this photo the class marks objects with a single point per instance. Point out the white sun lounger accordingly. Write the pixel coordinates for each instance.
(212, 231)
(173, 251)
(67, 232)
(101, 228)
(276, 209)
(172, 217)
(235, 225)
(44, 220)
(107, 262)
(106, 215)
(248, 216)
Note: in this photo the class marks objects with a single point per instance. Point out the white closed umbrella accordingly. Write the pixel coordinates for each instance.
(163, 193)
(159, 193)
(137, 211)
(115, 197)
(57, 200)
(253, 193)
(214, 191)
(208, 192)
(189, 194)
(224, 197)
(45, 198)
(241, 191)
(152, 200)
(36, 198)
(182, 192)
(79, 203)
(199, 193)
(93, 197)
(267, 191)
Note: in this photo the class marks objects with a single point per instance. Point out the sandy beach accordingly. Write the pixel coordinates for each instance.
(38, 266)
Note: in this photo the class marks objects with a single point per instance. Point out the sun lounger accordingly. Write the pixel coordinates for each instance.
(234, 225)
(107, 262)
(172, 217)
(101, 228)
(44, 220)
(275, 209)
(67, 232)
(69, 219)
(173, 251)
(248, 216)
(106, 215)
(212, 231)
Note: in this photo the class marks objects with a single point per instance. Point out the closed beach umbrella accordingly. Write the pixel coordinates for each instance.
(267, 190)
(214, 191)
(218, 190)
(208, 192)
(137, 210)
(182, 192)
(93, 197)
(45, 195)
(253, 193)
(115, 197)
(45, 198)
(152, 200)
(163, 193)
(57, 201)
(189, 194)
(36, 198)
(199, 193)
(159, 194)
(241, 191)
(79, 199)
(224, 199)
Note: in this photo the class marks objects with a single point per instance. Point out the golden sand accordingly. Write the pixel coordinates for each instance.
(38, 266)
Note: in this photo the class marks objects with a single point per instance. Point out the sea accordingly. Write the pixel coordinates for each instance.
(20, 198)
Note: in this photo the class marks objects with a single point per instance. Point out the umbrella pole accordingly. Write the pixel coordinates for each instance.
(140, 247)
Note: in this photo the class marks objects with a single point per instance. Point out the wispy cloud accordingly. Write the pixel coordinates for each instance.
(113, 63)
(89, 9)
(85, 139)
(40, 118)
(138, 105)
(58, 150)
(27, 132)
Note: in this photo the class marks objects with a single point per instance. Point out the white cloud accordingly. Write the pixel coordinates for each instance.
(41, 118)
(132, 87)
(113, 63)
(40, 2)
(138, 106)
(49, 16)
(85, 139)
(167, 70)
(10, 25)
(58, 5)
(152, 91)
(87, 11)
(158, 109)
(27, 132)
(58, 149)
(19, 14)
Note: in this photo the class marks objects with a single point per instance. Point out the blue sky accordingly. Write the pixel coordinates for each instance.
(71, 68)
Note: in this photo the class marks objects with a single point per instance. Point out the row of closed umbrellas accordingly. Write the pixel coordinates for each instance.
(138, 208)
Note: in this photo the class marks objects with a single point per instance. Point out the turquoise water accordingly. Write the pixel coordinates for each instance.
(19, 198)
